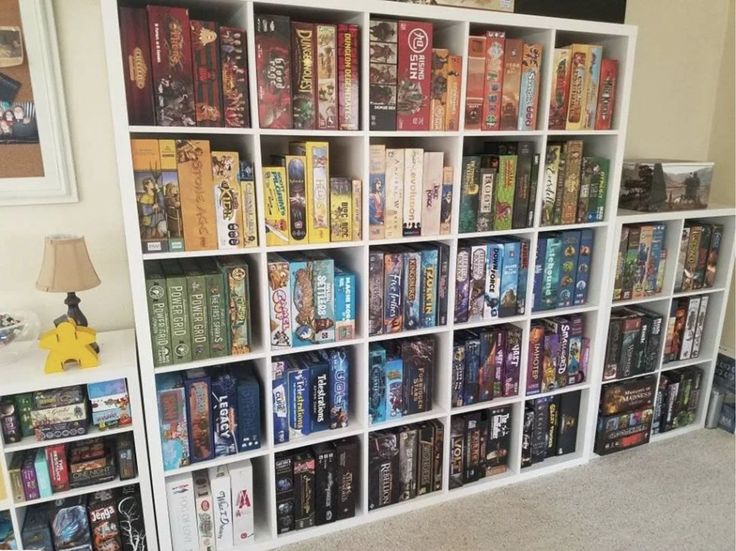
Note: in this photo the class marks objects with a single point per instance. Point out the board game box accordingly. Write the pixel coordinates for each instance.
(383, 74)
(273, 71)
(235, 91)
(414, 75)
(207, 75)
(348, 76)
(304, 48)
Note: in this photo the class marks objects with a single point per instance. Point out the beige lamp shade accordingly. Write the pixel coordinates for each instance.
(66, 265)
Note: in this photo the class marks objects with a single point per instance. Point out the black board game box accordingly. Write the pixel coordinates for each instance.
(622, 431)
(383, 470)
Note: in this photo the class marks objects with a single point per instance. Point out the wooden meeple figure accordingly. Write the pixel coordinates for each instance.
(68, 343)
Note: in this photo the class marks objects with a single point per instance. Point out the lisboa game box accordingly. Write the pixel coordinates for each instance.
(657, 185)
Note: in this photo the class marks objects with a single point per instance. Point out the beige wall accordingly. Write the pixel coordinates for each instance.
(675, 112)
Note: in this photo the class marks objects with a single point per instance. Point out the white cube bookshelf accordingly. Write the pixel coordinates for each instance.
(117, 361)
(349, 157)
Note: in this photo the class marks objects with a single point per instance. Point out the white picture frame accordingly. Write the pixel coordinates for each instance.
(58, 183)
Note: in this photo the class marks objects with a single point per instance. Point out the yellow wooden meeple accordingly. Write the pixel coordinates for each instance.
(69, 343)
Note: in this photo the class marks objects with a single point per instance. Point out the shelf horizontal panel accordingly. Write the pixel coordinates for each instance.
(495, 403)
(200, 254)
(634, 217)
(216, 462)
(696, 292)
(315, 246)
(485, 483)
(582, 132)
(413, 133)
(152, 129)
(629, 377)
(488, 322)
(309, 348)
(580, 226)
(642, 300)
(413, 333)
(555, 392)
(352, 429)
(495, 233)
(408, 505)
(208, 362)
(435, 413)
(412, 239)
(308, 133)
(30, 442)
(5, 504)
(502, 133)
(685, 363)
(555, 463)
(564, 311)
(117, 483)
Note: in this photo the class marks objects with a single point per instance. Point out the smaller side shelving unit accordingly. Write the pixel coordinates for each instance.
(117, 360)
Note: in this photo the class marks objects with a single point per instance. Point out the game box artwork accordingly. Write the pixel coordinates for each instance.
(656, 186)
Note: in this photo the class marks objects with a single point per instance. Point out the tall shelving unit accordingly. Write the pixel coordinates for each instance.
(349, 156)
(117, 361)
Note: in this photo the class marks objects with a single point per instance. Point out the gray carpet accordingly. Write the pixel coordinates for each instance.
(674, 494)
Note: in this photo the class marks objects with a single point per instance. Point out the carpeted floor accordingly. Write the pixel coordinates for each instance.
(674, 494)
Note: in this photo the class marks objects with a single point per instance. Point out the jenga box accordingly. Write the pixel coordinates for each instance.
(207, 74)
(273, 71)
(228, 199)
(276, 205)
(438, 100)
(454, 78)
(495, 43)
(235, 91)
(475, 82)
(326, 77)
(348, 76)
(414, 75)
(194, 163)
(304, 81)
(279, 302)
(529, 93)
(511, 83)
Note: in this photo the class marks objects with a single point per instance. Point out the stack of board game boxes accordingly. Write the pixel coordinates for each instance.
(562, 269)
(410, 193)
(404, 463)
(685, 328)
(697, 264)
(498, 187)
(625, 414)
(550, 427)
(480, 444)
(307, 74)
(413, 86)
(486, 364)
(634, 338)
(310, 393)
(183, 72)
(208, 413)
(575, 186)
(198, 308)
(641, 261)
(311, 300)
(304, 204)
(400, 378)
(502, 89)
(491, 279)
(191, 198)
(213, 508)
(317, 485)
(408, 287)
(559, 353)
(678, 398)
(583, 88)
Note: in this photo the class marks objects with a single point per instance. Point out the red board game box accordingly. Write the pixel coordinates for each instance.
(273, 70)
(58, 468)
(171, 65)
(511, 83)
(494, 64)
(207, 83)
(475, 83)
(414, 75)
(348, 76)
(606, 94)
(234, 78)
(137, 65)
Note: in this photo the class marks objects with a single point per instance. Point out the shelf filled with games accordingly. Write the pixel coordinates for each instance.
(73, 459)
(386, 283)
(667, 303)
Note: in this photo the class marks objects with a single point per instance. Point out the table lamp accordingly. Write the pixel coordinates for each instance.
(66, 268)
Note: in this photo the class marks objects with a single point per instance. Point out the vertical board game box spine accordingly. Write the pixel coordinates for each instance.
(522, 190)
(199, 417)
(412, 203)
(521, 297)
(299, 199)
(513, 361)
(568, 267)
(493, 86)
(487, 356)
(471, 386)
(323, 284)
(425, 470)
(43, 478)
(533, 184)
(172, 413)
(414, 70)
(217, 309)
(235, 91)
(207, 74)
(606, 94)
(579, 64)
(348, 76)
(539, 429)
(655, 256)
(630, 257)
(393, 319)
(471, 459)
(228, 199)
(462, 285)
(499, 362)
(585, 263)
(382, 77)
(620, 258)
(318, 182)
(150, 195)
(630, 332)
(529, 88)
(591, 92)
(575, 373)
(394, 193)
(383, 470)
(302, 312)
(279, 303)
(573, 169)
(431, 192)
(702, 256)
(536, 359)
(326, 77)
(345, 291)
(443, 282)
(28, 476)
(509, 280)
(645, 247)
(457, 452)
(203, 508)
(284, 493)
(339, 388)
(560, 88)
(375, 292)
(699, 324)
(16, 481)
(198, 320)
(394, 388)
(586, 192)
(691, 258)
(171, 65)
(568, 426)
(551, 361)
(513, 56)
(475, 85)
(429, 276)
(485, 215)
(238, 296)
(438, 90)
(280, 400)
(224, 411)
(412, 290)
(346, 477)
(408, 452)
(357, 191)
(136, 51)
(377, 385)
(341, 209)
(551, 271)
(446, 201)
(458, 374)
(158, 314)
(454, 77)
(319, 383)
(682, 256)
(194, 166)
(549, 191)
(439, 446)
(325, 484)
(180, 499)
(248, 425)
(713, 251)
(304, 75)
(172, 199)
(273, 71)
(493, 279)
(601, 173)
(299, 402)
(499, 440)
(418, 357)
(503, 202)
(469, 190)
(478, 266)
(241, 480)
(178, 299)
(222, 502)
